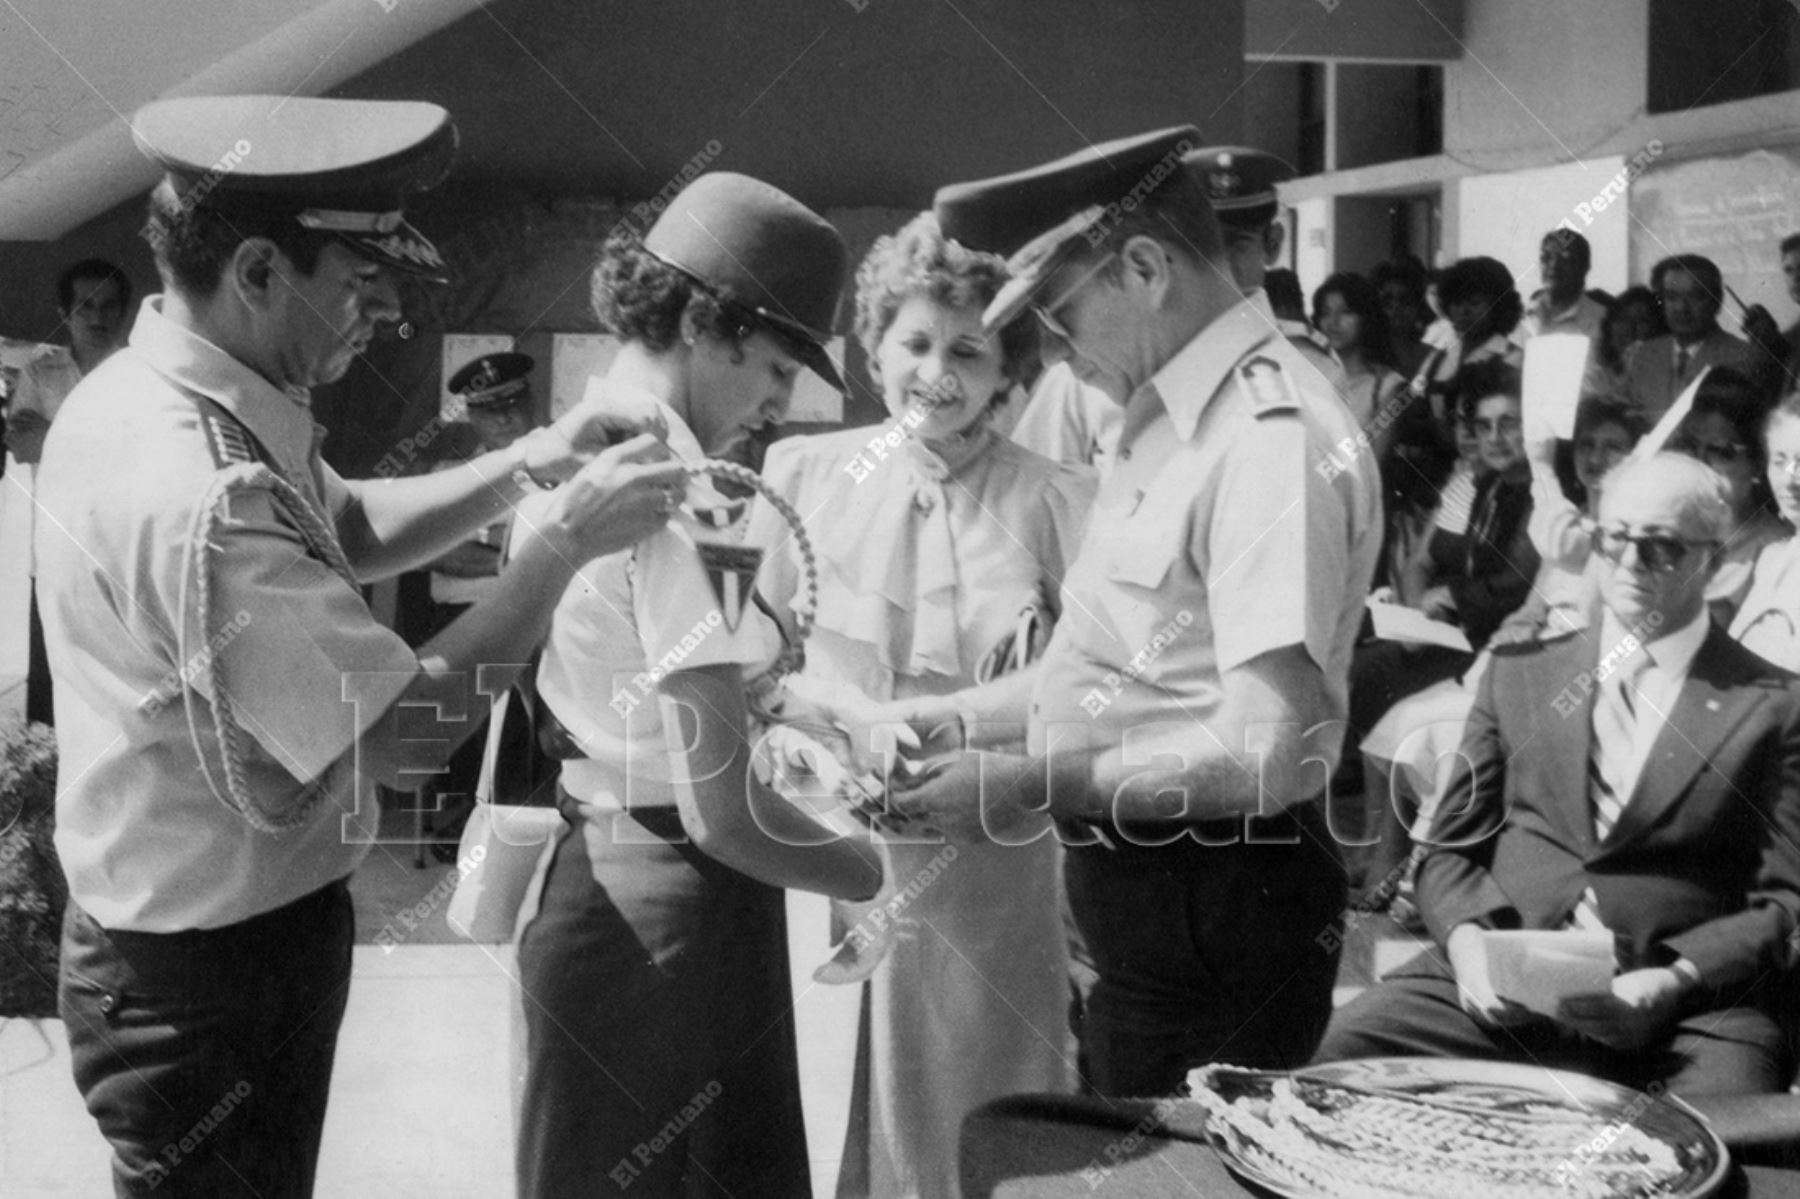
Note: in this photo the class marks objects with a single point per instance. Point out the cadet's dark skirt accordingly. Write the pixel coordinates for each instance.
(660, 1057)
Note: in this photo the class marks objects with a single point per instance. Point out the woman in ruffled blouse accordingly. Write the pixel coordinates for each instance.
(1768, 620)
(934, 536)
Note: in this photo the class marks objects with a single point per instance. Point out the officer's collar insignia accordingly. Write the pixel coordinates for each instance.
(227, 441)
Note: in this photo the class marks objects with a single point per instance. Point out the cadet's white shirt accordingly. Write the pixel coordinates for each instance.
(1231, 523)
(144, 842)
(626, 621)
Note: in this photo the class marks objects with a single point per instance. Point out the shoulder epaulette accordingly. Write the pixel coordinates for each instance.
(227, 440)
(1265, 386)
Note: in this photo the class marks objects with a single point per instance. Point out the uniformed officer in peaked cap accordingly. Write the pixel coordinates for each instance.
(221, 685)
(1240, 183)
(494, 380)
(1185, 716)
(496, 393)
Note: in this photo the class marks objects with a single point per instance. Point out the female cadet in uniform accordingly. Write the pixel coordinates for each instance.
(660, 1041)
(934, 535)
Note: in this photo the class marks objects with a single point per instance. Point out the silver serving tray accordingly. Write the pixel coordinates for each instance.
(1499, 1087)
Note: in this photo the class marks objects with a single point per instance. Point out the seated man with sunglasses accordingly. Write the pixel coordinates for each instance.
(1644, 780)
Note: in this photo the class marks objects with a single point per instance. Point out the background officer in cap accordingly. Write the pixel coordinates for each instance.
(1191, 700)
(1240, 183)
(1068, 422)
(221, 685)
(500, 408)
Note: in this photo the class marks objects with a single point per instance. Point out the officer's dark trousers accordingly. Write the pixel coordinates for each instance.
(205, 1056)
(1221, 952)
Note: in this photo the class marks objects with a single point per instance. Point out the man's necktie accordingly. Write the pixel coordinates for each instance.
(1616, 712)
(1681, 363)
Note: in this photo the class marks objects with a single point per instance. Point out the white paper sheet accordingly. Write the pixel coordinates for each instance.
(1396, 622)
(1538, 969)
(1554, 366)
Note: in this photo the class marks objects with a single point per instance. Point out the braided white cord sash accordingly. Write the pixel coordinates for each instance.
(321, 539)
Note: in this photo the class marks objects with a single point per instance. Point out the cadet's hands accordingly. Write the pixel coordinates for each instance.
(607, 414)
(1468, 962)
(625, 494)
(25, 431)
(970, 796)
(1640, 1008)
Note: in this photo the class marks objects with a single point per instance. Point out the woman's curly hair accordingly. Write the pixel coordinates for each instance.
(638, 297)
(920, 260)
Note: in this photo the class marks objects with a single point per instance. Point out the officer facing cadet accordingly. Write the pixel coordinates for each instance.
(221, 687)
(1067, 422)
(1208, 626)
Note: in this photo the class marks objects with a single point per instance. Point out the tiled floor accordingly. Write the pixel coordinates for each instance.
(422, 1099)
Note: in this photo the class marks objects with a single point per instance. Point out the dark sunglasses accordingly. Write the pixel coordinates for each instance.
(1659, 552)
(1713, 453)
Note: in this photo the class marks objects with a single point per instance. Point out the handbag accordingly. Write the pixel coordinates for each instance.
(502, 846)
(32, 890)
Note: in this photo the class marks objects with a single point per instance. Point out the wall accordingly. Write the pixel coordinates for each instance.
(1506, 216)
(28, 270)
(844, 103)
(1377, 114)
(1272, 109)
(1544, 80)
(1389, 30)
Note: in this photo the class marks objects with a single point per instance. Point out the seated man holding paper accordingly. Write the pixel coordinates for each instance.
(1643, 782)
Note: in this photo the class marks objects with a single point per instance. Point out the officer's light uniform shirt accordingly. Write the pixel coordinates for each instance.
(144, 842)
(626, 621)
(1240, 516)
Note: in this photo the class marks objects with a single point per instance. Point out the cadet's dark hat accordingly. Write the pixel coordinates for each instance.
(348, 164)
(493, 380)
(1044, 215)
(1240, 182)
(766, 251)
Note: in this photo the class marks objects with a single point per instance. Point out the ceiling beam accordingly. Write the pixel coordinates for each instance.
(308, 55)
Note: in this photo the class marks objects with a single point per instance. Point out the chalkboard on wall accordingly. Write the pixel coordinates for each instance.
(1733, 210)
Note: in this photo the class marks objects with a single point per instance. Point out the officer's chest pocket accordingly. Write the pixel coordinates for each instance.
(1144, 566)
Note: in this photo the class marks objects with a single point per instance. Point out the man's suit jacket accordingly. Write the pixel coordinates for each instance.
(1650, 382)
(1704, 861)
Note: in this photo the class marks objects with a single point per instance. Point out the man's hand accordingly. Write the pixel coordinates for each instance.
(622, 496)
(25, 431)
(1468, 962)
(606, 414)
(470, 560)
(1641, 1007)
(971, 796)
(1438, 603)
(1761, 330)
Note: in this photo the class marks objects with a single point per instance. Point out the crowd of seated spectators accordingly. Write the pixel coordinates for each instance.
(1491, 520)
